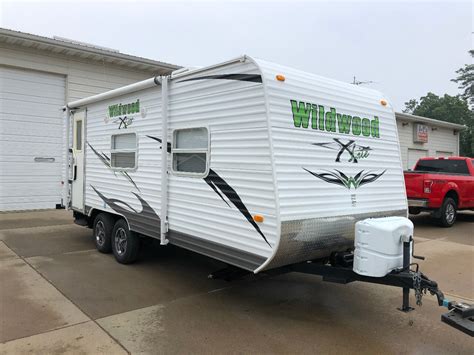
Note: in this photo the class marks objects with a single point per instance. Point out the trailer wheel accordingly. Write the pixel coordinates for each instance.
(448, 213)
(102, 229)
(125, 243)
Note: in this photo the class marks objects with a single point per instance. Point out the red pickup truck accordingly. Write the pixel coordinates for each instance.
(442, 186)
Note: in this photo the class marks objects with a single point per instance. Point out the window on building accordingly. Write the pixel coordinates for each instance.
(450, 166)
(123, 153)
(190, 151)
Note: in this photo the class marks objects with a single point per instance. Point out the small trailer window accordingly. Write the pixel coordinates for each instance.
(123, 153)
(79, 135)
(190, 151)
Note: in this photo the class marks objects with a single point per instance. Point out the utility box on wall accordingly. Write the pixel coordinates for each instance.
(420, 133)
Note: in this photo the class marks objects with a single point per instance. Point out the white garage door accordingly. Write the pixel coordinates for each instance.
(440, 153)
(414, 155)
(31, 143)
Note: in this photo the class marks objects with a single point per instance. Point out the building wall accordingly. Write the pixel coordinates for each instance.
(441, 142)
(83, 77)
(25, 73)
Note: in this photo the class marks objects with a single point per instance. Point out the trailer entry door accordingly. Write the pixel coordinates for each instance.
(77, 193)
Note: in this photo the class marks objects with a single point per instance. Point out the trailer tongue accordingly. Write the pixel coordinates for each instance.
(341, 268)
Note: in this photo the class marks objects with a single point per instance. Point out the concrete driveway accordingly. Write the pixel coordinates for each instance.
(59, 295)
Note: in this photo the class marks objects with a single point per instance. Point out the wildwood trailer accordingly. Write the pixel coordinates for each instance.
(261, 166)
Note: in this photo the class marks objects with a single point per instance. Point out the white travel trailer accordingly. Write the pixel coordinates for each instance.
(264, 165)
(255, 164)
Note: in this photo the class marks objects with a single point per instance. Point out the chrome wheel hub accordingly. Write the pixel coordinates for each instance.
(450, 213)
(100, 233)
(120, 240)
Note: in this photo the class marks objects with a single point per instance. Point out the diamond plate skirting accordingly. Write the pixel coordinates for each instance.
(316, 238)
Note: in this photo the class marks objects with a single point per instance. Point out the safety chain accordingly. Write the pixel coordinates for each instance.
(417, 288)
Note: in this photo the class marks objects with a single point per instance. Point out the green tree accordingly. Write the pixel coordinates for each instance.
(465, 80)
(447, 108)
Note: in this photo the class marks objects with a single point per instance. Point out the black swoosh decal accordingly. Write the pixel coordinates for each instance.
(214, 180)
(217, 183)
(255, 78)
(136, 219)
(106, 161)
(159, 140)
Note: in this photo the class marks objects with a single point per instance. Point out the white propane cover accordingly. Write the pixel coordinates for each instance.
(379, 245)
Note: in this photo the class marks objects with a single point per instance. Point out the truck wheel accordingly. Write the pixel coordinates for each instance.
(414, 210)
(125, 244)
(103, 225)
(448, 213)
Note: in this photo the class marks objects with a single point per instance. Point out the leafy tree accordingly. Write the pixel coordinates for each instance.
(465, 80)
(447, 108)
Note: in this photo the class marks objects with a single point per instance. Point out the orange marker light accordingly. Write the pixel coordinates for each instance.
(383, 102)
(258, 218)
(280, 77)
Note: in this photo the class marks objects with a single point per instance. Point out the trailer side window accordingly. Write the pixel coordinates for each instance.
(123, 153)
(190, 151)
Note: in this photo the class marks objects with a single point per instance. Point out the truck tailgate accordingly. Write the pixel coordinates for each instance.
(414, 184)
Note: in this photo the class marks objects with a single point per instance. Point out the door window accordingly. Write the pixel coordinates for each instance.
(78, 135)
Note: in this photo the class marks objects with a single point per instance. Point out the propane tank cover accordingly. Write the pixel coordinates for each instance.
(379, 245)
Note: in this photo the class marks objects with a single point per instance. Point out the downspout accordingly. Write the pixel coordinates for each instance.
(164, 161)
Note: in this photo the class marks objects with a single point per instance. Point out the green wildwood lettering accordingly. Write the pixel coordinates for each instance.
(124, 109)
(331, 121)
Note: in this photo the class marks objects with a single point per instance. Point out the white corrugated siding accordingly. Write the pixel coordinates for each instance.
(303, 196)
(31, 126)
(439, 140)
(234, 113)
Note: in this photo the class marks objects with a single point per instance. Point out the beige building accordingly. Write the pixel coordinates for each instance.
(421, 137)
(38, 75)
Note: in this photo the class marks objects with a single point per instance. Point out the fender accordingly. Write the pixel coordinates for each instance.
(451, 186)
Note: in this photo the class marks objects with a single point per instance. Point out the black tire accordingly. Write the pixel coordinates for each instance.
(414, 210)
(102, 229)
(125, 244)
(448, 212)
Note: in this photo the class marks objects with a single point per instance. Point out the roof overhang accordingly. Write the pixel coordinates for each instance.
(83, 51)
(430, 121)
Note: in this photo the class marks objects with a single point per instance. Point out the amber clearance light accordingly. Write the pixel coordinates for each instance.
(280, 77)
(258, 218)
(383, 102)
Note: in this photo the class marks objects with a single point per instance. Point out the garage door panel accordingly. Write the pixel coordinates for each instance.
(11, 86)
(32, 126)
(34, 118)
(27, 203)
(26, 147)
(34, 169)
(30, 76)
(24, 159)
(16, 128)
